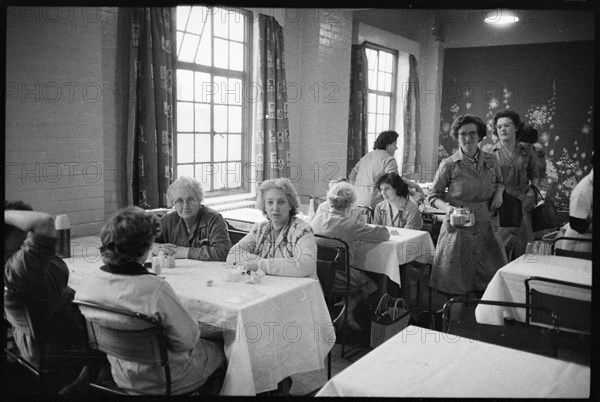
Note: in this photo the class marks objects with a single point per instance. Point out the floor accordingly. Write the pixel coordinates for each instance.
(17, 381)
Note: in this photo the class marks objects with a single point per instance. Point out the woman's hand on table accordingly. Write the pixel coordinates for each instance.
(250, 266)
(168, 248)
(394, 232)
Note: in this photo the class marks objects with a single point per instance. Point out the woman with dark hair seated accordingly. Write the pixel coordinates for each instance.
(399, 211)
(338, 223)
(396, 209)
(124, 283)
(467, 258)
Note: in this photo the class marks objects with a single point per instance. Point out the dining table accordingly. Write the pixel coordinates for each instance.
(403, 246)
(508, 284)
(423, 363)
(272, 328)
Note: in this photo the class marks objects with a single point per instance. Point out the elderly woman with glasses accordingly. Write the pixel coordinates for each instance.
(194, 231)
(284, 244)
(466, 259)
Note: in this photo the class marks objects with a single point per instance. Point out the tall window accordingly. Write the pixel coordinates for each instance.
(213, 70)
(382, 90)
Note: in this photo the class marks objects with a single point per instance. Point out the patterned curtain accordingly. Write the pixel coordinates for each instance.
(272, 140)
(412, 127)
(357, 117)
(151, 106)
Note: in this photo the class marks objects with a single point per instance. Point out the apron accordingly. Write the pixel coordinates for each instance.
(469, 257)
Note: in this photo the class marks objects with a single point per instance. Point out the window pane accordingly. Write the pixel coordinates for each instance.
(202, 147)
(235, 92)
(220, 90)
(182, 15)
(203, 56)
(234, 151)
(185, 170)
(387, 82)
(386, 104)
(236, 26)
(188, 47)
(221, 21)
(220, 119)
(185, 116)
(371, 123)
(185, 88)
(203, 87)
(185, 148)
(221, 53)
(219, 176)
(381, 81)
(372, 79)
(386, 121)
(381, 126)
(234, 175)
(179, 39)
(203, 175)
(389, 63)
(220, 147)
(236, 56)
(372, 106)
(202, 117)
(380, 104)
(197, 21)
(235, 119)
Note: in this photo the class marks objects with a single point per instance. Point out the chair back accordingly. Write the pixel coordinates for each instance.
(521, 336)
(235, 235)
(570, 253)
(576, 315)
(432, 224)
(147, 344)
(367, 211)
(333, 254)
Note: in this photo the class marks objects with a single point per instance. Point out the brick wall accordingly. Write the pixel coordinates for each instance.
(59, 113)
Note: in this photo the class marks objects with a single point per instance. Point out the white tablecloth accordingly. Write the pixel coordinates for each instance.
(273, 329)
(508, 284)
(385, 257)
(422, 363)
(382, 258)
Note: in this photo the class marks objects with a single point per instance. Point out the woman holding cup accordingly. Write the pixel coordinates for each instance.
(469, 254)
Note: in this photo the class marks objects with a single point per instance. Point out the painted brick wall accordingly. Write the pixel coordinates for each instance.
(55, 111)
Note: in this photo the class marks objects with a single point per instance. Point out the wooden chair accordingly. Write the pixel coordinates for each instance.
(146, 345)
(512, 334)
(235, 235)
(44, 367)
(569, 253)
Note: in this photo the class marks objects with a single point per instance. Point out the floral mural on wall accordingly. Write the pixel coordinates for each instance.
(565, 129)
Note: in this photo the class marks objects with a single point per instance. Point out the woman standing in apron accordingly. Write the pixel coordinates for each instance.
(466, 259)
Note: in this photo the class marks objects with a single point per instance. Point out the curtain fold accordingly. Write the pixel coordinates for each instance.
(272, 139)
(151, 124)
(357, 117)
(412, 127)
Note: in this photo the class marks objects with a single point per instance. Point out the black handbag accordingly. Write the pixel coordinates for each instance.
(511, 211)
(544, 213)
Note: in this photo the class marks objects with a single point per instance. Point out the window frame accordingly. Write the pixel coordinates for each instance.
(394, 92)
(246, 125)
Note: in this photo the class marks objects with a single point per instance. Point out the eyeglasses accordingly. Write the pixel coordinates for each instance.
(470, 134)
(188, 201)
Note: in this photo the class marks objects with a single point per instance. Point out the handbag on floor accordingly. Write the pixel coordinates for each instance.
(543, 215)
(388, 320)
(511, 211)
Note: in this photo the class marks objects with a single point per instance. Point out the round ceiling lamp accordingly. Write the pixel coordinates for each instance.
(501, 17)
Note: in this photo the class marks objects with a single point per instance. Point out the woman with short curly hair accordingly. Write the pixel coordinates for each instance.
(283, 245)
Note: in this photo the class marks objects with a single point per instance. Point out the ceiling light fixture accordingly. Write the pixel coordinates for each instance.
(501, 16)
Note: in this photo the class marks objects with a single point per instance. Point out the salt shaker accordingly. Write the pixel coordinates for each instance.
(63, 234)
(311, 207)
(171, 261)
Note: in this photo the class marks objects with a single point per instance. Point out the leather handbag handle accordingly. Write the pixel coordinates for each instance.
(537, 192)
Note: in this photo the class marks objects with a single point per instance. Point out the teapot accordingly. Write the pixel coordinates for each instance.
(462, 218)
